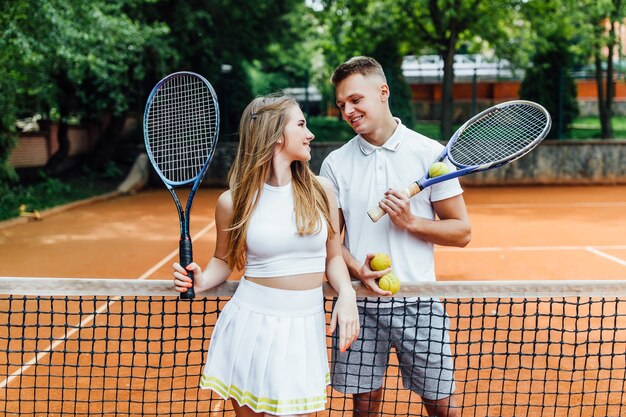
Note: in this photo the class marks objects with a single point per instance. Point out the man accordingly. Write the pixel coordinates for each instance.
(381, 160)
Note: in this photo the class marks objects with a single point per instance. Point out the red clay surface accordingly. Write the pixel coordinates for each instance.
(521, 233)
(518, 233)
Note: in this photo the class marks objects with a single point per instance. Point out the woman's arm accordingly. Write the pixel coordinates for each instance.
(217, 270)
(345, 312)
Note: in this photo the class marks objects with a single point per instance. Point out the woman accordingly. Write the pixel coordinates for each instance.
(280, 223)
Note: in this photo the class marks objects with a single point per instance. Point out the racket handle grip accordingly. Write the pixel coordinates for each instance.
(377, 212)
(186, 257)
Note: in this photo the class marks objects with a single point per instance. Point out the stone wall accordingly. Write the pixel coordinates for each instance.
(553, 162)
(562, 162)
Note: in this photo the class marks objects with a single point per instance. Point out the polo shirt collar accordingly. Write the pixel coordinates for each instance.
(392, 144)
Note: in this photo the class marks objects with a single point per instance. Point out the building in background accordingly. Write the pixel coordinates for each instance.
(480, 82)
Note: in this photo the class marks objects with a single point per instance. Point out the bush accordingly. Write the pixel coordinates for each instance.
(8, 136)
(46, 192)
(330, 129)
(549, 81)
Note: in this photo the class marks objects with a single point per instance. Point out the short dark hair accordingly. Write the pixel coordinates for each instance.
(363, 65)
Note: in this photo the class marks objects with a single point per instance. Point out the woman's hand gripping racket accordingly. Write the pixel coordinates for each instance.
(492, 138)
(180, 127)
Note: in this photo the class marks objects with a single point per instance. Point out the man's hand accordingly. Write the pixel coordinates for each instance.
(396, 204)
(368, 276)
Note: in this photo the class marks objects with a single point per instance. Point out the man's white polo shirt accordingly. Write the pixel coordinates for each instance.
(361, 173)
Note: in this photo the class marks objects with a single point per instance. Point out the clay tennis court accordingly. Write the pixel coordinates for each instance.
(519, 233)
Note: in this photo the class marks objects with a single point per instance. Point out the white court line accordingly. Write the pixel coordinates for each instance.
(529, 248)
(550, 205)
(606, 255)
(54, 344)
(218, 407)
(596, 250)
(91, 317)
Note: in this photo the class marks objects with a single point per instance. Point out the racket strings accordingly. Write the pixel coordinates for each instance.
(500, 135)
(182, 127)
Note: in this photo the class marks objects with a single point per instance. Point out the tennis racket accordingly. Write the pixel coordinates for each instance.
(495, 137)
(180, 127)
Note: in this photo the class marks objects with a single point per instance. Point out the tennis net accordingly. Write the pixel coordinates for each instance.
(109, 347)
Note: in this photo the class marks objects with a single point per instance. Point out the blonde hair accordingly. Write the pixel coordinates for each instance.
(262, 124)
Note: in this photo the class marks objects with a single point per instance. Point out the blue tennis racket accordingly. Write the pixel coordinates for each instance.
(495, 137)
(180, 127)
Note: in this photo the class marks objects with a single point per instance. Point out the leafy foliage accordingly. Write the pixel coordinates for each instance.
(84, 56)
(330, 129)
(48, 191)
(8, 104)
(375, 29)
(549, 82)
(390, 30)
(78, 60)
(206, 35)
(548, 78)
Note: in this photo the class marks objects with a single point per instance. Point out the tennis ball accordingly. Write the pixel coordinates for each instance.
(389, 282)
(437, 169)
(380, 262)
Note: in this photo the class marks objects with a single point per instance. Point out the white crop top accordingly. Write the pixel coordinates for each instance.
(274, 247)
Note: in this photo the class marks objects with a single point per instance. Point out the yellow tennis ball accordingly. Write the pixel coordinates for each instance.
(389, 282)
(437, 169)
(380, 262)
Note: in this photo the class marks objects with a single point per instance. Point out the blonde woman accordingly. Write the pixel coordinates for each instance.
(278, 222)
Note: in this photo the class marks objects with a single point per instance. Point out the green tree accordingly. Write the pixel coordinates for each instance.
(558, 47)
(415, 27)
(401, 100)
(71, 59)
(291, 59)
(445, 25)
(361, 27)
(8, 104)
(220, 39)
(77, 59)
(601, 20)
(548, 81)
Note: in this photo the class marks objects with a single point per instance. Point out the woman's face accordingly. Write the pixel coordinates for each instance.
(297, 137)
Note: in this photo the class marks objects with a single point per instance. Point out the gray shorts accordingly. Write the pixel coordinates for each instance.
(418, 331)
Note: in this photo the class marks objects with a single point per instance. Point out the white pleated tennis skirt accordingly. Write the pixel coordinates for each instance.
(268, 350)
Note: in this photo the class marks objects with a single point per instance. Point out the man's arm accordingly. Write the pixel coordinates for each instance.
(452, 229)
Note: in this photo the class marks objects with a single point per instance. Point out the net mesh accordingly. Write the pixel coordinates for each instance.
(88, 354)
(181, 127)
(500, 135)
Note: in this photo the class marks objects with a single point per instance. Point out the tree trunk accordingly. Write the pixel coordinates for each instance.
(65, 99)
(56, 162)
(600, 84)
(446, 93)
(107, 144)
(607, 129)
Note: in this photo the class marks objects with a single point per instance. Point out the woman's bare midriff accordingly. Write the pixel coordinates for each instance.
(291, 282)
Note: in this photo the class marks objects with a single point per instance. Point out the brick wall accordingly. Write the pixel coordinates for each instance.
(35, 149)
(32, 150)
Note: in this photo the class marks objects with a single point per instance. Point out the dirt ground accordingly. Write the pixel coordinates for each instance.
(518, 233)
